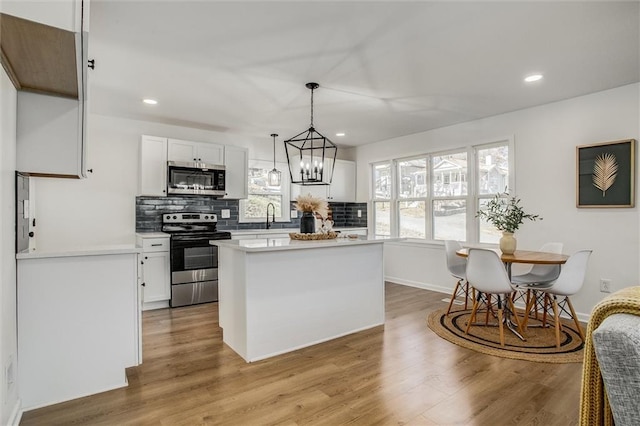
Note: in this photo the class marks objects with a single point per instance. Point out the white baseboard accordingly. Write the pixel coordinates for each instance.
(417, 284)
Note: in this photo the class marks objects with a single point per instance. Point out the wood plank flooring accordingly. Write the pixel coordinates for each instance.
(397, 374)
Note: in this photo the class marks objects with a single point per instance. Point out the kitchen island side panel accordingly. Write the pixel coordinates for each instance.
(298, 298)
(77, 326)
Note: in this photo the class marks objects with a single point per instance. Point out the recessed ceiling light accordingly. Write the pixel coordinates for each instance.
(533, 77)
(150, 101)
(340, 134)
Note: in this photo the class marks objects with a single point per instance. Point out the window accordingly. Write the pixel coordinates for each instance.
(413, 197)
(254, 208)
(435, 196)
(449, 205)
(382, 183)
(493, 177)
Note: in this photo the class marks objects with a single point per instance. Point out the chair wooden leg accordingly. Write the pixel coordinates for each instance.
(473, 315)
(545, 305)
(453, 297)
(556, 315)
(515, 317)
(501, 326)
(486, 318)
(575, 319)
(467, 295)
(527, 309)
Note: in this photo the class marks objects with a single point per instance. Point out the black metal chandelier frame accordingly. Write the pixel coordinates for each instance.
(310, 152)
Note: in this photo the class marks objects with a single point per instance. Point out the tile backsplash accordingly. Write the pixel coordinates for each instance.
(149, 211)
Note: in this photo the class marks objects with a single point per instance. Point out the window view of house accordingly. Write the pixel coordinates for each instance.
(254, 208)
(430, 195)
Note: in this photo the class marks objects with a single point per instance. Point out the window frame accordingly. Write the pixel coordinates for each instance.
(471, 199)
(285, 192)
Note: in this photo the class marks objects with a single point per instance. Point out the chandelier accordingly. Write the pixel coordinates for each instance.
(310, 155)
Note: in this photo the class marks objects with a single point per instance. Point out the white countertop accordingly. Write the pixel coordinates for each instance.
(152, 234)
(89, 251)
(278, 244)
(285, 230)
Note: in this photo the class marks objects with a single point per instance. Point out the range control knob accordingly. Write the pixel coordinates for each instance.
(168, 217)
(206, 217)
(175, 217)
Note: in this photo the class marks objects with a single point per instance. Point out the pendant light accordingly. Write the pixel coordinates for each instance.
(310, 155)
(274, 177)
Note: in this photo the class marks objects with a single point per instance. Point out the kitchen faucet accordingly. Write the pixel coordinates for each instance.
(273, 215)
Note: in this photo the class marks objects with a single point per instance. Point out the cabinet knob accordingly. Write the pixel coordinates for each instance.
(146, 257)
(144, 284)
(31, 234)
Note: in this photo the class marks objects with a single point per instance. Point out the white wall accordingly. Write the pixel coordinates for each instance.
(100, 210)
(9, 406)
(545, 148)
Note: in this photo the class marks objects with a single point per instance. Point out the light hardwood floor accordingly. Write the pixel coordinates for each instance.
(401, 373)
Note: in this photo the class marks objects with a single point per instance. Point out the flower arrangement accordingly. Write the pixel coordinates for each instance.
(505, 213)
(309, 203)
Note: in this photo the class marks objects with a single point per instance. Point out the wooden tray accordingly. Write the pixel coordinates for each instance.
(314, 236)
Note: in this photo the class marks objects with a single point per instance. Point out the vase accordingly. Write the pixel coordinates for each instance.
(508, 243)
(307, 223)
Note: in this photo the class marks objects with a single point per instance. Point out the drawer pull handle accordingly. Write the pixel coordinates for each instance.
(156, 245)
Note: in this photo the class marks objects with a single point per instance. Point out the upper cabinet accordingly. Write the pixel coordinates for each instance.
(236, 162)
(156, 151)
(153, 166)
(341, 189)
(201, 152)
(69, 15)
(45, 48)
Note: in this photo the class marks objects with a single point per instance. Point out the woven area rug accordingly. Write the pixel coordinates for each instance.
(540, 345)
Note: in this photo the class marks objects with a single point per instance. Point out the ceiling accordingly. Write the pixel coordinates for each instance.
(385, 68)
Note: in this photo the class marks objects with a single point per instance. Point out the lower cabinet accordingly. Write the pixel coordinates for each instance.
(77, 325)
(156, 275)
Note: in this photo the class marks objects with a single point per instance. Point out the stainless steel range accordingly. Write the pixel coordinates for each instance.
(194, 262)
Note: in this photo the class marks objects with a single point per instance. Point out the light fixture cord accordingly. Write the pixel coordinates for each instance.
(311, 107)
(274, 152)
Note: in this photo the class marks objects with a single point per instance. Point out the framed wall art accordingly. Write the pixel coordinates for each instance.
(606, 174)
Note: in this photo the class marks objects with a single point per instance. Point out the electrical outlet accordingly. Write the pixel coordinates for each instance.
(605, 285)
(359, 213)
(294, 214)
(225, 213)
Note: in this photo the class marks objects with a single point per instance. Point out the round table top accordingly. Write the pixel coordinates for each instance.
(524, 256)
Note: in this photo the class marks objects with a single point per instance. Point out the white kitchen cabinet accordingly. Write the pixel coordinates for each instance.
(236, 162)
(187, 151)
(343, 185)
(77, 324)
(342, 188)
(152, 169)
(155, 271)
(70, 15)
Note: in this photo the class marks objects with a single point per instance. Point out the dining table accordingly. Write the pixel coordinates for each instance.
(522, 256)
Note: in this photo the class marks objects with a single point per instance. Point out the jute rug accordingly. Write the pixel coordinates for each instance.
(540, 344)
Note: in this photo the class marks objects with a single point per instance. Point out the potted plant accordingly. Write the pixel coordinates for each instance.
(506, 214)
(309, 206)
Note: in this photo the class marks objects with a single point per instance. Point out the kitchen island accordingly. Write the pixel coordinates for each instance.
(277, 295)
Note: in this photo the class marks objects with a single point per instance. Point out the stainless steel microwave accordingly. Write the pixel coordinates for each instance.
(195, 179)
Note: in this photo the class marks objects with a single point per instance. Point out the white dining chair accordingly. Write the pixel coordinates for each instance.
(457, 266)
(537, 274)
(557, 292)
(489, 277)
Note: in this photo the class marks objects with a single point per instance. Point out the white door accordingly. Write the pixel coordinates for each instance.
(156, 276)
